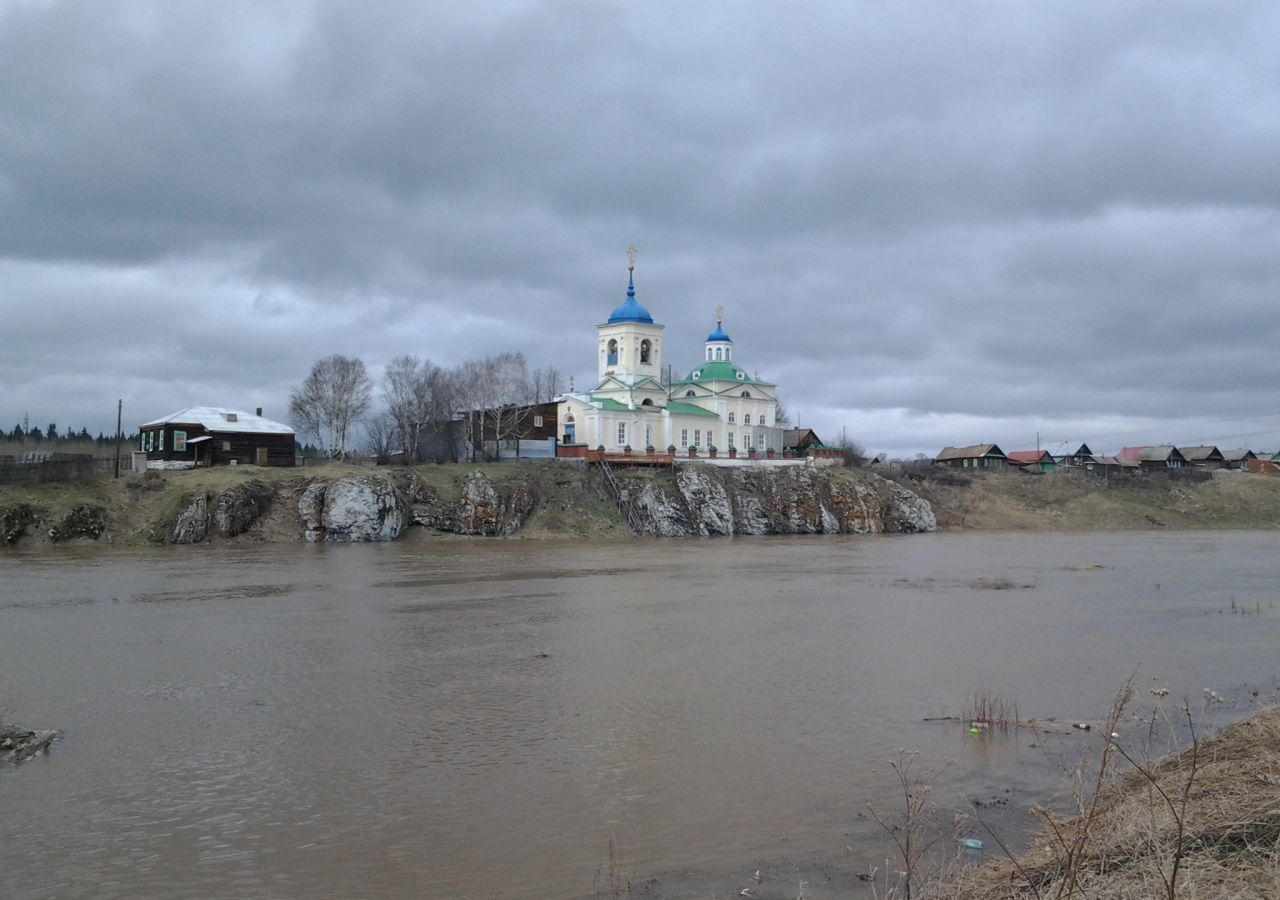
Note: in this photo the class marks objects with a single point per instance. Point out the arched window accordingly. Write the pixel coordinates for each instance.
(646, 402)
(730, 418)
(690, 393)
(728, 354)
(708, 354)
(719, 353)
(746, 419)
(746, 395)
(644, 352)
(569, 418)
(612, 358)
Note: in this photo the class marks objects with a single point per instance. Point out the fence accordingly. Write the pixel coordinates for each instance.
(36, 468)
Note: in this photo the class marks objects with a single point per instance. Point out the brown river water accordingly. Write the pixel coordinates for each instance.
(480, 719)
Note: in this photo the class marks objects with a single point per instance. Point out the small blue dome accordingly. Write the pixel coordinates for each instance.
(630, 311)
(719, 335)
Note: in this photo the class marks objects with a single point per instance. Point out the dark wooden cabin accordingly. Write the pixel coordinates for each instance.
(213, 436)
(977, 456)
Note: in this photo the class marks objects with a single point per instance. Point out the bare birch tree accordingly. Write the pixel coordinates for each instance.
(546, 384)
(410, 392)
(333, 397)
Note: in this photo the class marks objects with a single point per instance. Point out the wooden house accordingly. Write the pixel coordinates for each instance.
(1082, 457)
(985, 457)
(1111, 467)
(1237, 459)
(800, 439)
(213, 436)
(1202, 457)
(1164, 457)
(1033, 460)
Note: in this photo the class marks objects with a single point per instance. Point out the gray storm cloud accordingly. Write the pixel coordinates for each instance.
(931, 223)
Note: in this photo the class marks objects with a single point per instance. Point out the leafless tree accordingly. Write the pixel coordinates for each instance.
(493, 393)
(333, 397)
(412, 392)
(382, 436)
(855, 455)
(781, 417)
(545, 384)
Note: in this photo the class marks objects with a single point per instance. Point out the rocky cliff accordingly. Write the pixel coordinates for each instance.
(338, 505)
(708, 501)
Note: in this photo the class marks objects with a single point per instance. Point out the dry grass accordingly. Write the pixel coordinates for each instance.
(992, 709)
(1203, 822)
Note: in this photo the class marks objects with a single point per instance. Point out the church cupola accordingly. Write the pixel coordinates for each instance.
(719, 344)
(630, 342)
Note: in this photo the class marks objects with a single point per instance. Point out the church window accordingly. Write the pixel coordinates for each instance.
(730, 418)
(730, 440)
(622, 432)
(690, 394)
(719, 354)
(728, 354)
(612, 358)
(697, 373)
(746, 419)
(646, 402)
(684, 437)
(645, 347)
(648, 437)
(708, 354)
(746, 440)
(742, 376)
(697, 437)
(569, 419)
(746, 395)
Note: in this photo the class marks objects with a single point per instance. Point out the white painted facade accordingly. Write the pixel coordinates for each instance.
(716, 404)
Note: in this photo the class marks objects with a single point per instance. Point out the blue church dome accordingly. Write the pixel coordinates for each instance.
(719, 335)
(630, 311)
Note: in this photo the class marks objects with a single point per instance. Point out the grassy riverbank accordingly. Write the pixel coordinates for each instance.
(1060, 502)
(570, 503)
(1200, 823)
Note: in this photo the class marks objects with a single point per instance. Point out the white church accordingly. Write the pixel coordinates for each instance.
(716, 405)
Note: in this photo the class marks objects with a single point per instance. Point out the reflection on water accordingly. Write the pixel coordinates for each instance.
(480, 719)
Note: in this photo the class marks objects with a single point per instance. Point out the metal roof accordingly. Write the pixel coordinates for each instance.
(1199, 453)
(974, 451)
(217, 418)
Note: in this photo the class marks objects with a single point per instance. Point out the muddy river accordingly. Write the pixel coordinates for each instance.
(482, 719)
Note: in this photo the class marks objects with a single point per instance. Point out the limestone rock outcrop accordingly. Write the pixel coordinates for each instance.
(708, 501)
(483, 510)
(238, 508)
(354, 509)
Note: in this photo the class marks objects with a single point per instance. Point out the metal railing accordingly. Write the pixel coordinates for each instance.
(621, 498)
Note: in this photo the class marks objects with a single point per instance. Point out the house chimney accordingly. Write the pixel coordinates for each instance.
(258, 412)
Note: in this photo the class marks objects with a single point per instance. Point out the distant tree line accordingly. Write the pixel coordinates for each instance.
(51, 436)
(338, 404)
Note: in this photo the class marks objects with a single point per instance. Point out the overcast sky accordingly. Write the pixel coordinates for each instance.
(933, 223)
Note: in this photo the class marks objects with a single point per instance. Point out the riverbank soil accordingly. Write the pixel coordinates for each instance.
(1228, 832)
(1065, 502)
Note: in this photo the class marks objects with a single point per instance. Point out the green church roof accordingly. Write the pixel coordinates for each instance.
(720, 371)
(688, 409)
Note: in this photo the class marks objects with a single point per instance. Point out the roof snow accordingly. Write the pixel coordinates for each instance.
(216, 418)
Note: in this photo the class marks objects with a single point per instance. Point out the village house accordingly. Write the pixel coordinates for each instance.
(1166, 456)
(1237, 459)
(1202, 457)
(1033, 460)
(985, 457)
(214, 436)
(1082, 457)
(800, 440)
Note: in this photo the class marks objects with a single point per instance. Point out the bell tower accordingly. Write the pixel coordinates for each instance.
(630, 343)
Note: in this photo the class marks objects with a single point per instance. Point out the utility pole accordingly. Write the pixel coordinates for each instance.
(119, 419)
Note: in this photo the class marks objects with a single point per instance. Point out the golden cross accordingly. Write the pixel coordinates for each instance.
(631, 258)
